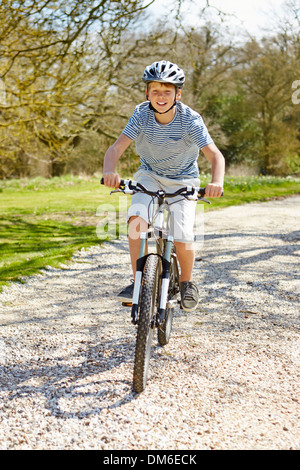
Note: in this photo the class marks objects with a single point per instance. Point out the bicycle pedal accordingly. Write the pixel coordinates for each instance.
(127, 304)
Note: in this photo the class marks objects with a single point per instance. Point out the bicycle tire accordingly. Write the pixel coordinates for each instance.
(164, 330)
(146, 323)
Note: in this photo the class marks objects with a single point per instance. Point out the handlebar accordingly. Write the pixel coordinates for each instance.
(131, 187)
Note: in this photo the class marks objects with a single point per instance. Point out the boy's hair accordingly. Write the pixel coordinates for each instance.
(149, 83)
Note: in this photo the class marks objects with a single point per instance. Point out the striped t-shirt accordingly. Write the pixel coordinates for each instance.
(170, 150)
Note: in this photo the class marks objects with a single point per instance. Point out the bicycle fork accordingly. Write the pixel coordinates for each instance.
(166, 263)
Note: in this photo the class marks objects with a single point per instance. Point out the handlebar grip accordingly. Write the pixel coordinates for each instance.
(201, 192)
(122, 182)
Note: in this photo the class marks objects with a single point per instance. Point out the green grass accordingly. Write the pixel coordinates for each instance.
(27, 246)
(42, 196)
(242, 190)
(44, 221)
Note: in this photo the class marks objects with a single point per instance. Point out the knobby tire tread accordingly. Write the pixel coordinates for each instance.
(144, 331)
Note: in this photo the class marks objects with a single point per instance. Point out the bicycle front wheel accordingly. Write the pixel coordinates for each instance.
(146, 323)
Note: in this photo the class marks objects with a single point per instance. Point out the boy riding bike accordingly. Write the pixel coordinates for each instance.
(168, 137)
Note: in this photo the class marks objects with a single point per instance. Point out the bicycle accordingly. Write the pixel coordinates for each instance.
(156, 283)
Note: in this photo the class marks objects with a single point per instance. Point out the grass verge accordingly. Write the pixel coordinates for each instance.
(27, 246)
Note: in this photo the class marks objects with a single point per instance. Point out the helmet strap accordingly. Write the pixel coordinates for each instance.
(155, 110)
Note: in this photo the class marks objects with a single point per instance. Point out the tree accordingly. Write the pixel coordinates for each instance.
(44, 46)
(267, 81)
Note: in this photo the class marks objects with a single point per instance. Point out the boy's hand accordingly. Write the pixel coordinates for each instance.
(112, 180)
(213, 190)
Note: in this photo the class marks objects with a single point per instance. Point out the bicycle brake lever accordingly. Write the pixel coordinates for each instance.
(204, 200)
(116, 191)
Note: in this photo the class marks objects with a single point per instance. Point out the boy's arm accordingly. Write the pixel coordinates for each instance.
(217, 161)
(111, 158)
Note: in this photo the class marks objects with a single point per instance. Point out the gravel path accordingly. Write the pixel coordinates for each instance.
(228, 379)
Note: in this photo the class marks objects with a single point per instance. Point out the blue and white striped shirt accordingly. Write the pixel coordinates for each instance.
(170, 150)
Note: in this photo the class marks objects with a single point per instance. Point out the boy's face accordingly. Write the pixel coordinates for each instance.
(162, 95)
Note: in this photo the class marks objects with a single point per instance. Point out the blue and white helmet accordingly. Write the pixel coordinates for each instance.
(164, 72)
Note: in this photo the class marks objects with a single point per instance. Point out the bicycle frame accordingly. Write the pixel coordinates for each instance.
(164, 245)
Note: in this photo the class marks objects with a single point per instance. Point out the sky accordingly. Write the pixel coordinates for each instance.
(254, 15)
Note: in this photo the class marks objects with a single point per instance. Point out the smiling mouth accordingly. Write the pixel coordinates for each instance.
(161, 104)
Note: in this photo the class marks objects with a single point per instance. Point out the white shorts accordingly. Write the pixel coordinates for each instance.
(182, 210)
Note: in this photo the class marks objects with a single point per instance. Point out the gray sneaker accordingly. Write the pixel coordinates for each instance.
(189, 296)
(126, 294)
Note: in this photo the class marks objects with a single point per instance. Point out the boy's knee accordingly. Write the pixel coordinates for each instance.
(136, 225)
(137, 220)
(184, 247)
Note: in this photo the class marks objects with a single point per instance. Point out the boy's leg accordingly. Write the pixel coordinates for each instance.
(186, 258)
(138, 213)
(188, 290)
(135, 227)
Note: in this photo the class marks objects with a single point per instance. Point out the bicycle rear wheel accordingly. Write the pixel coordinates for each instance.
(164, 330)
(146, 323)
